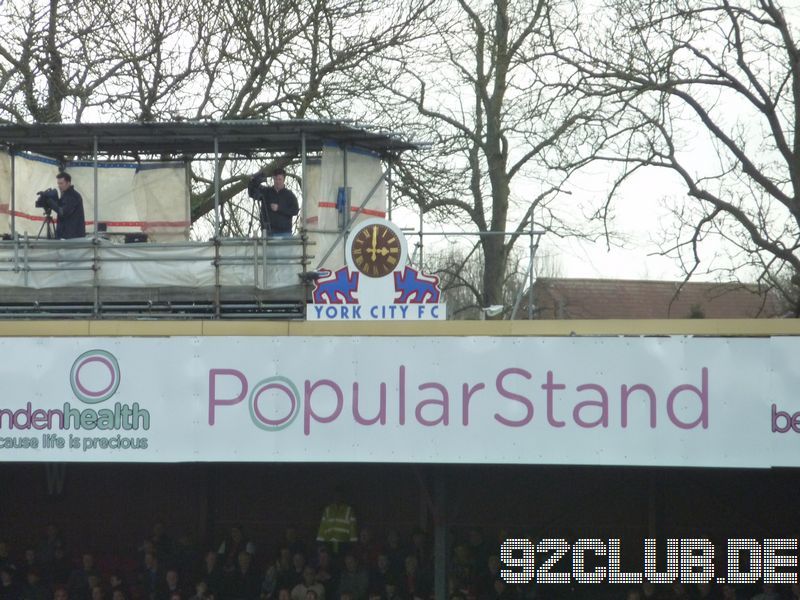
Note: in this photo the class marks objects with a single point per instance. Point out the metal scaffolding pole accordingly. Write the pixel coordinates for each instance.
(96, 187)
(303, 187)
(534, 236)
(216, 187)
(346, 220)
(389, 188)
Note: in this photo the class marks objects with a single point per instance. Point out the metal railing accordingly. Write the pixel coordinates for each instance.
(218, 278)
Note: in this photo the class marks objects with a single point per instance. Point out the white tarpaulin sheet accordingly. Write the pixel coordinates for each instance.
(5, 191)
(324, 186)
(143, 265)
(679, 401)
(152, 198)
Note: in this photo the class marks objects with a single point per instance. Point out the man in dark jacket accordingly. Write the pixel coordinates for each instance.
(278, 204)
(71, 220)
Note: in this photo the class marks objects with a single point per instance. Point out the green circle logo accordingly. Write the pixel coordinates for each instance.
(280, 384)
(94, 376)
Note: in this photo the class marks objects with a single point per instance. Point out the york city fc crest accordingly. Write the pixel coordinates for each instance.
(376, 283)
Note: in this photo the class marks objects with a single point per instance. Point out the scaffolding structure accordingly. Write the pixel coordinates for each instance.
(534, 237)
(215, 294)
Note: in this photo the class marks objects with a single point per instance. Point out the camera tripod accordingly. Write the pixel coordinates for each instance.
(48, 227)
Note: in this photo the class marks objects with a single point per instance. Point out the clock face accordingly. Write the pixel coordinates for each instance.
(376, 250)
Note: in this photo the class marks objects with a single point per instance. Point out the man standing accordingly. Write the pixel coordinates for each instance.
(71, 220)
(338, 526)
(278, 204)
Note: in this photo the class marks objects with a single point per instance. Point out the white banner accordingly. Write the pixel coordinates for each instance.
(676, 401)
(153, 198)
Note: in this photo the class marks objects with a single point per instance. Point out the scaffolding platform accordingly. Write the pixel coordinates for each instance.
(92, 277)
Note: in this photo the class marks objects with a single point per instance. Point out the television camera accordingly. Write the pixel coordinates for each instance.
(47, 200)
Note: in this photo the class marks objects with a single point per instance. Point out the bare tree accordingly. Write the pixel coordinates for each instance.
(723, 77)
(490, 96)
(127, 60)
(298, 60)
(53, 64)
(460, 272)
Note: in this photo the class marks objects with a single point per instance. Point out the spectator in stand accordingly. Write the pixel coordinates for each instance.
(9, 589)
(79, 586)
(170, 586)
(381, 575)
(327, 575)
(46, 552)
(367, 549)
(29, 562)
(707, 591)
(634, 594)
(150, 576)
(201, 592)
(412, 583)
(295, 575)
(729, 592)
(679, 591)
(484, 583)
(293, 542)
(395, 551)
(768, 592)
(185, 555)
(392, 592)
(269, 585)
(244, 583)
(211, 573)
(35, 588)
(94, 581)
(162, 542)
(461, 565)
(422, 550)
(116, 582)
(5, 556)
(284, 573)
(457, 587)
(231, 546)
(60, 569)
(60, 593)
(650, 591)
(146, 547)
(502, 591)
(477, 549)
(97, 593)
(309, 584)
(354, 580)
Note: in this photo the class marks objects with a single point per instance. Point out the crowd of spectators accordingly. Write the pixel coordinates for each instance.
(388, 567)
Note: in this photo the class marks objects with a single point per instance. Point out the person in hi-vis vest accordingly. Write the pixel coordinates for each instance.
(338, 525)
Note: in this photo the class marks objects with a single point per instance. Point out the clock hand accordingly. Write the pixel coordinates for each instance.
(374, 249)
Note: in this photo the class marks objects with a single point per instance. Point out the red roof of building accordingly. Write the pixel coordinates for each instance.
(556, 298)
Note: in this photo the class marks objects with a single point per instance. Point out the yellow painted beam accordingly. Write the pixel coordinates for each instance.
(145, 328)
(618, 327)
